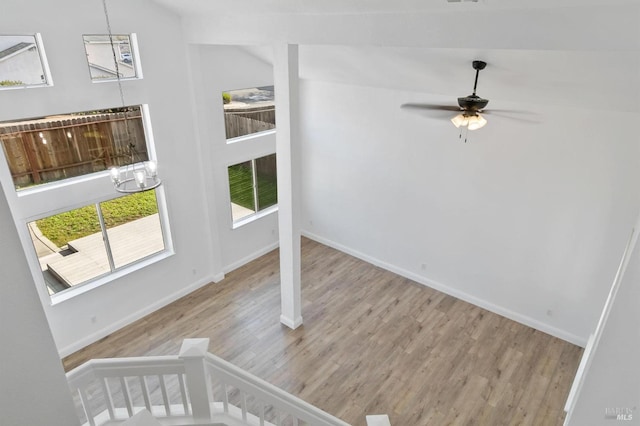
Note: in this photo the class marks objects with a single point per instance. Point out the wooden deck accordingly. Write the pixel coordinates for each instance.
(129, 242)
(372, 343)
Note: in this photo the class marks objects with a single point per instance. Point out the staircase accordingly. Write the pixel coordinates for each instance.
(192, 388)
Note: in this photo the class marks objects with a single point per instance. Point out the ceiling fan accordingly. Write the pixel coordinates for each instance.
(469, 107)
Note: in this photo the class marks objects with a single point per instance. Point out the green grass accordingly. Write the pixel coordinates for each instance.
(241, 187)
(78, 223)
(267, 191)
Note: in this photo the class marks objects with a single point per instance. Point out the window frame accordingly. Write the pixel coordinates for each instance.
(135, 53)
(114, 272)
(259, 213)
(45, 186)
(56, 197)
(44, 63)
(240, 138)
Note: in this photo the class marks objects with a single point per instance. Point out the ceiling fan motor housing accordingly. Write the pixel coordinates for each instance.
(479, 65)
(472, 103)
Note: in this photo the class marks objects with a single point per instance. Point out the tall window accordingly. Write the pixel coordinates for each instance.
(99, 241)
(47, 149)
(253, 186)
(248, 111)
(83, 244)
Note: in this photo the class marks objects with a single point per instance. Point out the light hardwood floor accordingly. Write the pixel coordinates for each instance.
(372, 343)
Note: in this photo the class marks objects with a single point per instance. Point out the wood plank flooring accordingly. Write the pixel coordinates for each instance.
(372, 343)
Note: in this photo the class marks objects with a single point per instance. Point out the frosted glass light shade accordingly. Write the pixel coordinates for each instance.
(474, 122)
(460, 120)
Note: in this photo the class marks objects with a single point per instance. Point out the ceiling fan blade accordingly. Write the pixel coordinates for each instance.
(508, 115)
(432, 107)
(505, 111)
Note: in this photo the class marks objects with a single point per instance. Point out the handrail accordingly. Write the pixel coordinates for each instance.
(94, 380)
(268, 393)
(110, 391)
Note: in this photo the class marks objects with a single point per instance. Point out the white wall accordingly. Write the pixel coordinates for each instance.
(521, 219)
(166, 89)
(528, 220)
(30, 371)
(217, 69)
(610, 385)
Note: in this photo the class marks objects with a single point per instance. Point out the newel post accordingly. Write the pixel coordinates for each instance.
(192, 353)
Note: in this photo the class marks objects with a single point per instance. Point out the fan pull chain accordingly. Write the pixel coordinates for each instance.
(466, 133)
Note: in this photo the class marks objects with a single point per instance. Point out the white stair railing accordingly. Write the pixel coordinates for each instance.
(193, 388)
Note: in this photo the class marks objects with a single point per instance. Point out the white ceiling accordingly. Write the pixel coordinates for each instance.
(251, 7)
(574, 79)
(567, 53)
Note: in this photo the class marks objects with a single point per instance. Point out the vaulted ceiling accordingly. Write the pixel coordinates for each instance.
(306, 7)
(566, 53)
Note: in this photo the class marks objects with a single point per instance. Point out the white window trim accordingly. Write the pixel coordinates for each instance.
(54, 299)
(107, 278)
(251, 136)
(253, 217)
(43, 62)
(44, 187)
(137, 66)
(235, 224)
(24, 213)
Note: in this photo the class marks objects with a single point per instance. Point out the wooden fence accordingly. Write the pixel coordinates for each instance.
(60, 147)
(245, 121)
(54, 148)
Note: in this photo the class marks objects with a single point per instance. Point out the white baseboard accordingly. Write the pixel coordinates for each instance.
(256, 254)
(500, 310)
(115, 326)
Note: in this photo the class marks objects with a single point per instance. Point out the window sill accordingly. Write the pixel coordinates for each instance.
(26, 86)
(114, 80)
(252, 218)
(251, 136)
(98, 282)
(44, 187)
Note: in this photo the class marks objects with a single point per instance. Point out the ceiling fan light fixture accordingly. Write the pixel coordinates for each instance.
(476, 122)
(460, 120)
(473, 122)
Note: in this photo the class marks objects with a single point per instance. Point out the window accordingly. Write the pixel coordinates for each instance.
(253, 186)
(48, 149)
(80, 245)
(22, 62)
(105, 62)
(248, 111)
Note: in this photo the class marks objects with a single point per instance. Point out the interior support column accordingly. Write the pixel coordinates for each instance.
(285, 70)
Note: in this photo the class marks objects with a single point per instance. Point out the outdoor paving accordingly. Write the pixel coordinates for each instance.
(129, 242)
(238, 212)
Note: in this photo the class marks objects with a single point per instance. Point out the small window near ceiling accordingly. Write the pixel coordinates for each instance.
(109, 57)
(248, 111)
(253, 186)
(23, 62)
(81, 245)
(48, 149)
